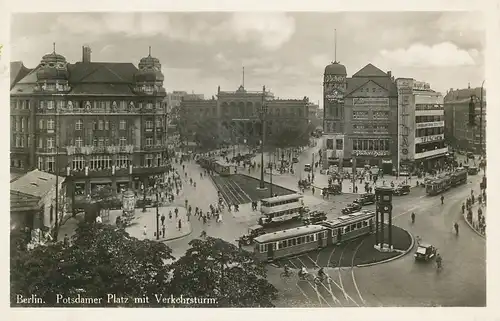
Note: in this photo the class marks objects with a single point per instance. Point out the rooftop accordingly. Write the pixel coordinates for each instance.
(35, 183)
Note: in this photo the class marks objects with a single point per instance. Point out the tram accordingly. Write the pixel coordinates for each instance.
(438, 185)
(220, 167)
(459, 177)
(290, 242)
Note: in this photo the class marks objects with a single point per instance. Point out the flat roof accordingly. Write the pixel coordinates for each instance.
(289, 233)
(283, 198)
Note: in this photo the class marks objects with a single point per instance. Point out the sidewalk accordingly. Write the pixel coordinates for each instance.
(474, 224)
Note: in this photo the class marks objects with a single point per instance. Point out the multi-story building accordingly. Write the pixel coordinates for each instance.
(360, 117)
(94, 122)
(234, 116)
(175, 98)
(458, 133)
(421, 126)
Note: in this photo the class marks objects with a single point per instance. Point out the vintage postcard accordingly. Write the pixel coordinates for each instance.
(248, 159)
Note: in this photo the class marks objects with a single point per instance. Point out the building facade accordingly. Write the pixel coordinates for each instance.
(360, 127)
(95, 123)
(456, 112)
(234, 116)
(421, 126)
(33, 203)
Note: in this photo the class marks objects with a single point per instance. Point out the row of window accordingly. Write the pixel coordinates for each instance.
(429, 107)
(429, 131)
(421, 148)
(99, 125)
(47, 163)
(339, 144)
(371, 144)
(263, 248)
(428, 119)
(19, 124)
(365, 115)
(283, 202)
(365, 127)
(19, 104)
(106, 105)
(96, 142)
(284, 212)
(20, 141)
(334, 127)
(334, 111)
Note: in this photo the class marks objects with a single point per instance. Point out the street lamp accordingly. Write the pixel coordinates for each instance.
(262, 116)
(481, 121)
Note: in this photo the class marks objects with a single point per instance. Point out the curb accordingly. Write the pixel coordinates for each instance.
(472, 228)
(392, 258)
(178, 237)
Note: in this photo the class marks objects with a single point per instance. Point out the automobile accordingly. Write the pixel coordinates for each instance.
(401, 190)
(473, 170)
(425, 252)
(470, 155)
(365, 199)
(295, 160)
(351, 208)
(304, 183)
(334, 189)
(307, 167)
(253, 232)
(313, 217)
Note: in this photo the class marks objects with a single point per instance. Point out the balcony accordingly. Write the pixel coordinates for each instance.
(431, 153)
(429, 112)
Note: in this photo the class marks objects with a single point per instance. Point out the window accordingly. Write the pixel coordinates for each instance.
(149, 105)
(149, 160)
(365, 223)
(22, 124)
(149, 142)
(60, 104)
(78, 162)
(41, 164)
(79, 124)
(22, 141)
(158, 160)
(40, 124)
(51, 164)
(106, 125)
(381, 115)
(123, 124)
(101, 125)
(50, 124)
(123, 141)
(18, 125)
(149, 125)
(123, 105)
(358, 225)
(360, 114)
(122, 161)
(340, 144)
(50, 142)
(100, 162)
(50, 104)
(40, 142)
(78, 142)
(158, 122)
(101, 142)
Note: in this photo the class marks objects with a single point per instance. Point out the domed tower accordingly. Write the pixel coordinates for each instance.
(52, 74)
(149, 78)
(334, 87)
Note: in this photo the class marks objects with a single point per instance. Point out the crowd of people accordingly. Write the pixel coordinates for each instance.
(479, 224)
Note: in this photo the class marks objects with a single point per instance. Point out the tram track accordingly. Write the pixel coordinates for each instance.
(312, 284)
(339, 270)
(352, 272)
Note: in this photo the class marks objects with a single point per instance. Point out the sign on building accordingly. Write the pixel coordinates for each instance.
(429, 139)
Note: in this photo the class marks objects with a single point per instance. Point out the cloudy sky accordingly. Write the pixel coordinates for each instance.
(286, 52)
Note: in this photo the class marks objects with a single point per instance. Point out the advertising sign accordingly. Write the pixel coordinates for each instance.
(370, 101)
(420, 85)
(429, 139)
(334, 92)
(430, 124)
(375, 153)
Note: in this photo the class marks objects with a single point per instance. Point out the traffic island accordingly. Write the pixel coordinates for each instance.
(358, 252)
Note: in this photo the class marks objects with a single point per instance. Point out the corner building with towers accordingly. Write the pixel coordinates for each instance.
(360, 117)
(96, 123)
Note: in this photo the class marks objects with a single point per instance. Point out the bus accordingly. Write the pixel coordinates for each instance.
(280, 209)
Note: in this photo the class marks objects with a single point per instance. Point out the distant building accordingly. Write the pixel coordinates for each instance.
(33, 203)
(175, 98)
(421, 126)
(360, 117)
(458, 133)
(234, 115)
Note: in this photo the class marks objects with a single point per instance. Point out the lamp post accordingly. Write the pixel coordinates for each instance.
(481, 122)
(262, 114)
(157, 213)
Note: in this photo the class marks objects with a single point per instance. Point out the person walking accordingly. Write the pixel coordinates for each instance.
(163, 231)
(413, 218)
(162, 219)
(442, 199)
(179, 224)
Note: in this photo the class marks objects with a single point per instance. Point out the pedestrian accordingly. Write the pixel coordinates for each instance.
(312, 190)
(413, 217)
(170, 215)
(163, 219)
(163, 231)
(456, 227)
(66, 240)
(179, 224)
(463, 208)
(442, 199)
(145, 230)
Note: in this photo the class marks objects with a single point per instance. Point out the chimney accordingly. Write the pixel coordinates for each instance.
(389, 74)
(86, 51)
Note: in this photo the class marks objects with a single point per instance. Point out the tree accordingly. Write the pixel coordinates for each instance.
(101, 259)
(213, 268)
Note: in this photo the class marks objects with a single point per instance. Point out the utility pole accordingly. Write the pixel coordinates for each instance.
(481, 150)
(157, 217)
(262, 113)
(271, 176)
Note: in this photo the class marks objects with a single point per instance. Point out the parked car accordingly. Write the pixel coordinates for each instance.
(334, 189)
(307, 167)
(425, 252)
(365, 199)
(470, 155)
(473, 170)
(295, 160)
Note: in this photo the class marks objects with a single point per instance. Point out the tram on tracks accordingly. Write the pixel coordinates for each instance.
(220, 167)
(445, 182)
(294, 241)
(279, 209)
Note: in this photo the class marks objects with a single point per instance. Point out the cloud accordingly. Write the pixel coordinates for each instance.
(270, 30)
(320, 61)
(445, 54)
